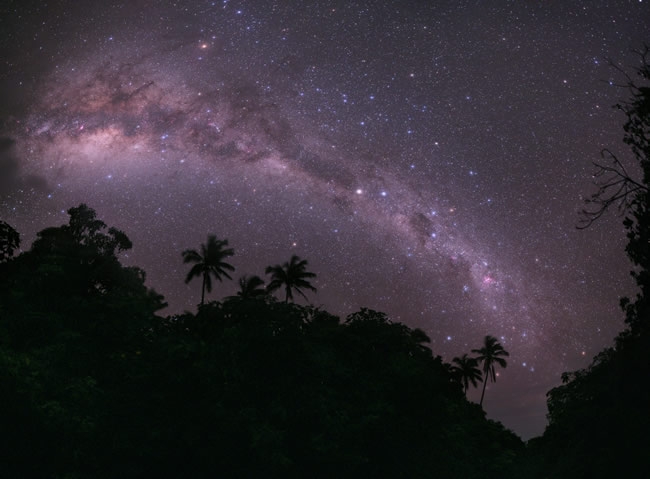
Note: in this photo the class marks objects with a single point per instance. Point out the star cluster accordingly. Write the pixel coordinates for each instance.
(427, 158)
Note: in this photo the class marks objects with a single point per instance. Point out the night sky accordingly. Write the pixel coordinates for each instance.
(428, 158)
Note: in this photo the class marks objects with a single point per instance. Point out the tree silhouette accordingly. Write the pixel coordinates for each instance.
(275, 388)
(577, 441)
(617, 186)
(292, 276)
(251, 287)
(9, 241)
(209, 262)
(466, 370)
(489, 355)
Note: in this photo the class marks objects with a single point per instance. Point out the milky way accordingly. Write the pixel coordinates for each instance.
(427, 158)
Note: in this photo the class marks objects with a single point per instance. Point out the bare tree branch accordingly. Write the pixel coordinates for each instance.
(616, 186)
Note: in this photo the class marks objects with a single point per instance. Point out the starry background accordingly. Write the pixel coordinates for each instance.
(427, 157)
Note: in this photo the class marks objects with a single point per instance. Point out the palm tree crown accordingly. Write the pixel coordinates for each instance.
(251, 287)
(293, 276)
(467, 371)
(490, 354)
(209, 262)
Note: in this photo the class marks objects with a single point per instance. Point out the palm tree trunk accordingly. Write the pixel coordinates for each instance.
(203, 288)
(483, 393)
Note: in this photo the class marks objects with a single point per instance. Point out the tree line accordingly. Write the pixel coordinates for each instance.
(96, 383)
(293, 277)
(599, 417)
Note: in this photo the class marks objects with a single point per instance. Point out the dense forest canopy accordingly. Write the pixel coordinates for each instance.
(96, 384)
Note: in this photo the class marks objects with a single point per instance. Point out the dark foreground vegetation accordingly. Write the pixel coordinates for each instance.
(599, 418)
(95, 384)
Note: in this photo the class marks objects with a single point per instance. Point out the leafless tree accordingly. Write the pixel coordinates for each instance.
(617, 187)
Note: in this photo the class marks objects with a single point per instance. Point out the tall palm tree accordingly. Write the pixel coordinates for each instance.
(466, 369)
(490, 354)
(251, 287)
(293, 276)
(209, 262)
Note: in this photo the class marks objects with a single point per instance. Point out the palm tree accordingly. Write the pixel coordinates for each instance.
(490, 354)
(251, 287)
(466, 369)
(292, 275)
(209, 262)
